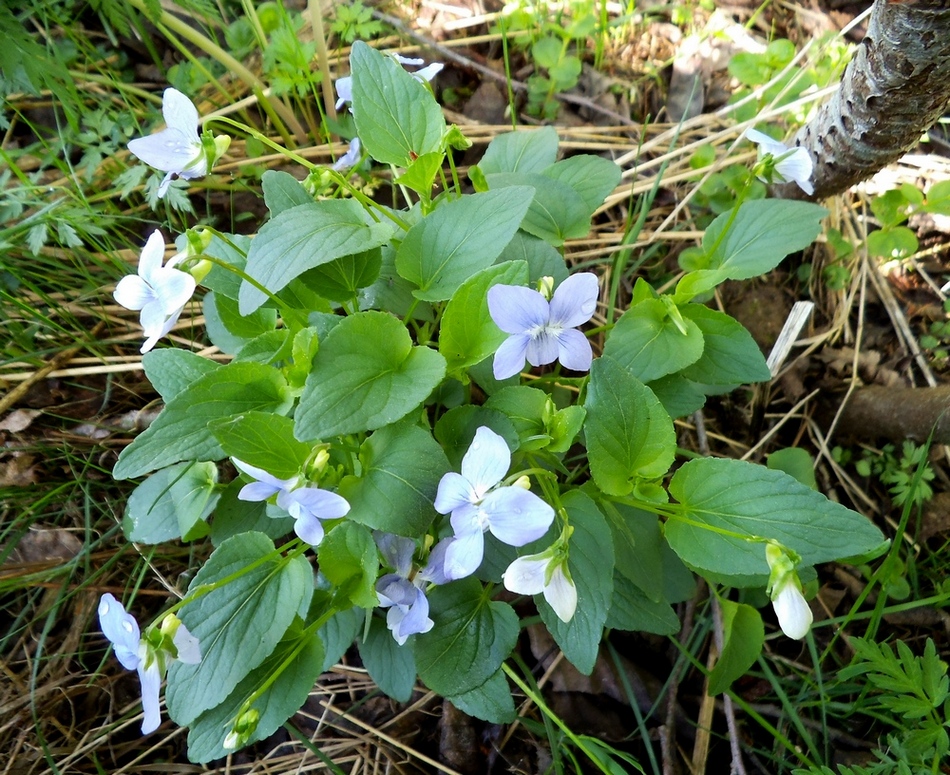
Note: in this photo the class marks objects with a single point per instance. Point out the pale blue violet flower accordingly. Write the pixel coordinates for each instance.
(306, 504)
(407, 603)
(543, 331)
(350, 158)
(545, 573)
(160, 292)
(513, 514)
(788, 164)
(177, 149)
(344, 86)
(150, 661)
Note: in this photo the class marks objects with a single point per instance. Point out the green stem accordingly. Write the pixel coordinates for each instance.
(316, 21)
(536, 699)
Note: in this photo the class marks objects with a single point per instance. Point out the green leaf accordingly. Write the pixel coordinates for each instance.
(547, 52)
(795, 462)
(564, 427)
(743, 636)
(278, 703)
(401, 466)
(391, 666)
(456, 429)
(592, 177)
(171, 370)
(678, 395)
(397, 118)
(637, 544)
(283, 191)
(646, 342)
(631, 610)
(629, 435)
(172, 503)
(341, 280)
(763, 232)
(304, 237)
(348, 558)
(725, 500)
(234, 516)
(228, 329)
(237, 624)
(556, 212)
(467, 334)
(543, 259)
(491, 702)
(591, 562)
(525, 407)
(181, 431)
(232, 254)
(458, 239)
(524, 152)
(420, 174)
(340, 630)
(730, 355)
(896, 242)
(262, 440)
(392, 293)
(472, 636)
(367, 374)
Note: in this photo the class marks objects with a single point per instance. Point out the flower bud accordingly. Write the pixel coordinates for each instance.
(523, 482)
(242, 730)
(546, 287)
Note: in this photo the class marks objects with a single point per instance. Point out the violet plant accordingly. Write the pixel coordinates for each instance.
(415, 419)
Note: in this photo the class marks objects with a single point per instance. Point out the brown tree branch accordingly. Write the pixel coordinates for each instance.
(894, 89)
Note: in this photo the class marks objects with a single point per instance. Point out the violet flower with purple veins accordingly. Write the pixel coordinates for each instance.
(136, 653)
(307, 505)
(513, 514)
(543, 331)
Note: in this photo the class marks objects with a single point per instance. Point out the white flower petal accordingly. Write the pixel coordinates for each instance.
(151, 258)
(170, 150)
(322, 504)
(310, 529)
(455, 491)
(525, 576)
(173, 288)
(793, 612)
(542, 348)
(798, 168)
(574, 351)
(766, 144)
(510, 357)
(428, 72)
(561, 595)
(410, 61)
(487, 460)
(344, 91)
(132, 292)
(517, 310)
(151, 680)
(464, 555)
(180, 113)
(189, 650)
(121, 629)
(516, 516)
(575, 300)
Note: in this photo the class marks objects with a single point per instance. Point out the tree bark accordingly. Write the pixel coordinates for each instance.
(895, 88)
